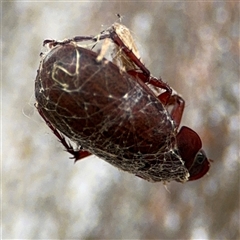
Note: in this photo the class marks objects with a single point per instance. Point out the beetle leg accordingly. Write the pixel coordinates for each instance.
(53, 43)
(140, 71)
(178, 107)
(166, 97)
(76, 154)
(129, 53)
(109, 33)
(158, 83)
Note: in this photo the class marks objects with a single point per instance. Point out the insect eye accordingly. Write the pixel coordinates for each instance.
(200, 157)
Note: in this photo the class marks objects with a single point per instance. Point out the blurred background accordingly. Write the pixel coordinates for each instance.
(194, 46)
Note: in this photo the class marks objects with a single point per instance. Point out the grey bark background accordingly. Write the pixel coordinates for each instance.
(194, 47)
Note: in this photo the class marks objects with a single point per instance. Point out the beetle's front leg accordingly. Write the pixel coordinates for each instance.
(178, 107)
(76, 154)
(166, 98)
(158, 83)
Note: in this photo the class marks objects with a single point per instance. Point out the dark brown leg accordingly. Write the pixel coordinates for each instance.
(144, 73)
(158, 83)
(178, 107)
(53, 43)
(116, 39)
(77, 154)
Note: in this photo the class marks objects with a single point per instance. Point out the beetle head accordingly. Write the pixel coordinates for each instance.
(189, 146)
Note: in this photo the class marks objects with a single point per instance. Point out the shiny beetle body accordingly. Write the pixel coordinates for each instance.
(114, 115)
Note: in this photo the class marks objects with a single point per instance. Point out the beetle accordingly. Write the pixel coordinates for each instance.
(113, 113)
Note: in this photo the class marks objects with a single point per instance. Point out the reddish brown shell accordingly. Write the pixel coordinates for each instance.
(108, 113)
